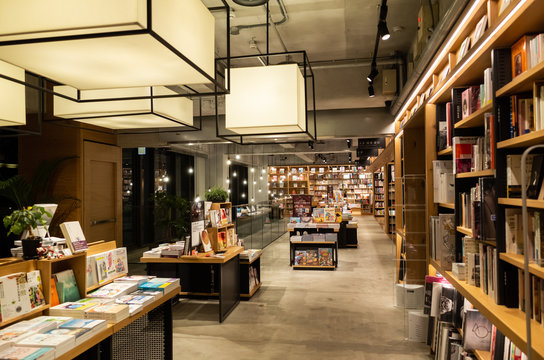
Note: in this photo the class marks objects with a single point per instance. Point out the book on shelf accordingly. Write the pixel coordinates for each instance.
(73, 309)
(470, 101)
(476, 331)
(35, 288)
(160, 284)
(457, 104)
(111, 312)
(300, 257)
(441, 127)
(142, 300)
(67, 287)
(519, 55)
(27, 353)
(114, 289)
(312, 257)
(538, 105)
(14, 297)
(73, 233)
(533, 174)
(443, 186)
(463, 153)
(80, 335)
(60, 343)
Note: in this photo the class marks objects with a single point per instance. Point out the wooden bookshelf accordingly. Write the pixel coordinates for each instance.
(32, 313)
(535, 204)
(482, 355)
(476, 119)
(446, 151)
(447, 205)
(313, 267)
(523, 82)
(522, 141)
(464, 230)
(417, 120)
(511, 322)
(474, 174)
(94, 287)
(517, 261)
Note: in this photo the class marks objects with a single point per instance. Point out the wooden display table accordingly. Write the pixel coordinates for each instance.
(204, 276)
(132, 335)
(245, 293)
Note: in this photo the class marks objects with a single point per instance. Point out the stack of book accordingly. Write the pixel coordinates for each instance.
(114, 290)
(165, 285)
(111, 312)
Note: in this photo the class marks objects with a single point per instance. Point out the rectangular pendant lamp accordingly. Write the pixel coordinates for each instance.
(266, 100)
(102, 44)
(126, 113)
(12, 96)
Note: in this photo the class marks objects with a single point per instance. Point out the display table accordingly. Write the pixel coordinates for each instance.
(204, 276)
(245, 292)
(312, 228)
(313, 245)
(144, 335)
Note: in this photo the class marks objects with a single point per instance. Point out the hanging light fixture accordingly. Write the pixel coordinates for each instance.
(12, 101)
(383, 31)
(144, 111)
(103, 44)
(266, 99)
(371, 91)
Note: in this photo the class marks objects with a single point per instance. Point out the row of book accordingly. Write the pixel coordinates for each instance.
(513, 233)
(533, 174)
(536, 297)
(105, 266)
(313, 257)
(442, 239)
(477, 209)
(118, 300)
(253, 277)
(448, 313)
(479, 267)
(474, 153)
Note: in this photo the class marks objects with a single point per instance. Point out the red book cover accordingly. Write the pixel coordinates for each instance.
(519, 56)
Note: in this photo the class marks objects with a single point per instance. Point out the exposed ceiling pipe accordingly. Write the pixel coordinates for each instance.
(235, 30)
(349, 63)
(439, 36)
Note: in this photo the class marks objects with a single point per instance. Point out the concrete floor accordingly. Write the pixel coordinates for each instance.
(342, 314)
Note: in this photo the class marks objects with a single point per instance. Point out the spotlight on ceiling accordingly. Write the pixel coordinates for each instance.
(250, 2)
(371, 91)
(311, 144)
(348, 141)
(383, 30)
(382, 25)
(373, 73)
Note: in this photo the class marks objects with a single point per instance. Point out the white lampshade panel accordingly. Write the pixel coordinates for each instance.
(109, 61)
(266, 100)
(124, 114)
(12, 96)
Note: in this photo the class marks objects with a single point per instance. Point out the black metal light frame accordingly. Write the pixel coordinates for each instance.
(308, 76)
(220, 87)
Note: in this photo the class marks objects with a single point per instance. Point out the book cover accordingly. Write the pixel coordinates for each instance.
(465, 103)
(300, 257)
(447, 298)
(27, 353)
(488, 209)
(67, 286)
(73, 233)
(48, 340)
(457, 104)
(325, 256)
(462, 153)
(329, 215)
(447, 231)
(312, 257)
(476, 331)
(231, 237)
(294, 220)
(120, 260)
(54, 294)
(224, 219)
(519, 56)
(318, 214)
(14, 296)
(91, 270)
(222, 240)
(35, 289)
(101, 267)
(205, 240)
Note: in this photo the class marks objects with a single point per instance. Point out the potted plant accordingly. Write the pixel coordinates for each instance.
(29, 219)
(172, 212)
(217, 195)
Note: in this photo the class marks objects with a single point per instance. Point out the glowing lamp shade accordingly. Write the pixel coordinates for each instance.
(265, 100)
(99, 44)
(12, 96)
(124, 114)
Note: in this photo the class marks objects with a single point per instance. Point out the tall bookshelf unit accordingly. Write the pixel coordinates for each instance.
(379, 196)
(390, 199)
(448, 70)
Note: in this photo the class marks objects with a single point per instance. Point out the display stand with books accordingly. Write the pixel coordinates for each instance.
(313, 252)
(250, 273)
(204, 275)
(221, 228)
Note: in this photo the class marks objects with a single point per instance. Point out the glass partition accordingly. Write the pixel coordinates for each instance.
(259, 224)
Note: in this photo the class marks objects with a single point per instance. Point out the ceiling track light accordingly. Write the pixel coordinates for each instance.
(383, 30)
(373, 73)
(371, 91)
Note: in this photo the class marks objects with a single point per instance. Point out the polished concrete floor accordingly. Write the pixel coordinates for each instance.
(342, 314)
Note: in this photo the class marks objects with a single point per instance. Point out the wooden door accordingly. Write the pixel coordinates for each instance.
(102, 200)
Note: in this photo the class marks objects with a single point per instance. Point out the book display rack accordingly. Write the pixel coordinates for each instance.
(111, 341)
(321, 182)
(479, 108)
(379, 195)
(390, 199)
(311, 253)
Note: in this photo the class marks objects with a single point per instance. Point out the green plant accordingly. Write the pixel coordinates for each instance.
(25, 219)
(23, 193)
(217, 195)
(173, 213)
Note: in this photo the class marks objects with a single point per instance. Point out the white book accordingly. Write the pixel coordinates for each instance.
(120, 260)
(440, 167)
(75, 238)
(14, 297)
(113, 290)
(92, 272)
(61, 343)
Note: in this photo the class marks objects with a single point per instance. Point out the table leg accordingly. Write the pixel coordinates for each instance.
(229, 287)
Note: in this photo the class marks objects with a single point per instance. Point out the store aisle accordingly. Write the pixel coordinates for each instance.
(342, 314)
